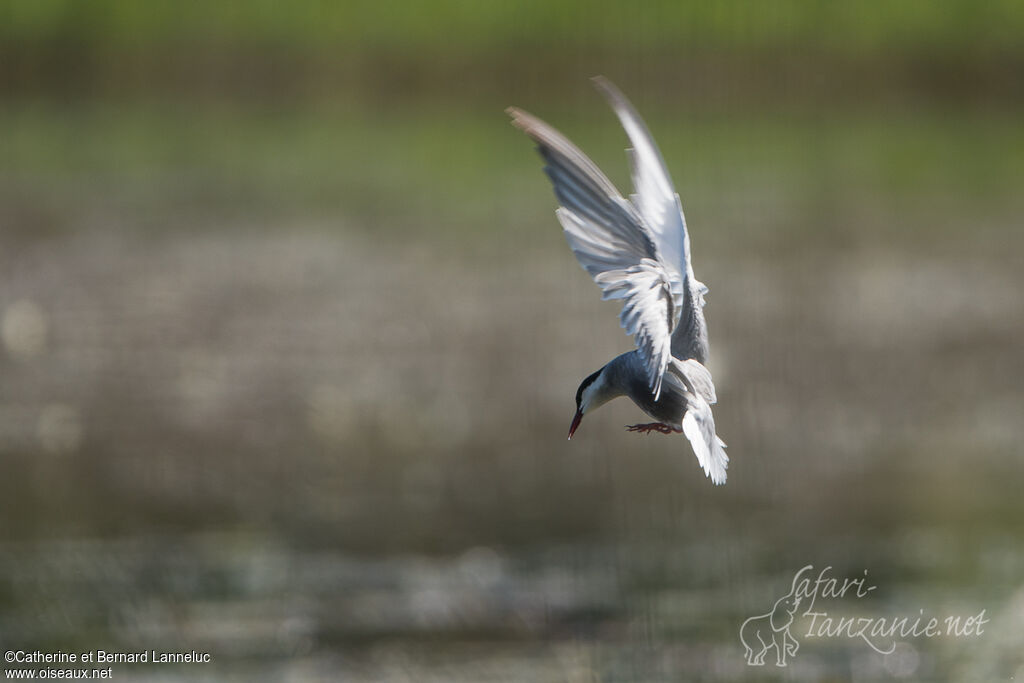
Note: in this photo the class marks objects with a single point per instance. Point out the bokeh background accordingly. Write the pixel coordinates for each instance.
(290, 337)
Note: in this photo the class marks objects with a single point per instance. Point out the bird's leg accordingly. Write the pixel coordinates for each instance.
(652, 427)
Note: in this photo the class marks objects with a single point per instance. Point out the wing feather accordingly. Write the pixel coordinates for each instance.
(611, 241)
(658, 203)
(655, 197)
(694, 377)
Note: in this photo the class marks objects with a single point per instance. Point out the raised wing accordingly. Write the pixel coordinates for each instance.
(610, 240)
(655, 197)
(657, 202)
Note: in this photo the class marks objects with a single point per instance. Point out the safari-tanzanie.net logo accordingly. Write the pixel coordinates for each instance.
(774, 635)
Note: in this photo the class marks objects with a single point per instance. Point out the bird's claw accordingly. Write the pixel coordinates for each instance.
(652, 427)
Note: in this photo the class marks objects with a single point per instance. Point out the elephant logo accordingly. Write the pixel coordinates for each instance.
(766, 631)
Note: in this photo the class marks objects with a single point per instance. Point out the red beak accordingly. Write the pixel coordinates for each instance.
(575, 422)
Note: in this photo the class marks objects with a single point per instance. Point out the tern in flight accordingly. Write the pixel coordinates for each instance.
(638, 250)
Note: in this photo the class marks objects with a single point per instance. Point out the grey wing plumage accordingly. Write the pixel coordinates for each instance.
(655, 197)
(610, 240)
(658, 203)
(694, 378)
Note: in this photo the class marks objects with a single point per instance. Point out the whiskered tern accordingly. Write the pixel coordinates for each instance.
(638, 250)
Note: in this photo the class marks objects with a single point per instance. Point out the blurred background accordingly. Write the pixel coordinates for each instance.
(290, 337)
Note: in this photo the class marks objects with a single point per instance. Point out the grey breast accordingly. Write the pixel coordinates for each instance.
(629, 374)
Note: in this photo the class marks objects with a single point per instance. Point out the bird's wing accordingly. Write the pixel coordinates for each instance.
(658, 203)
(655, 197)
(694, 378)
(612, 243)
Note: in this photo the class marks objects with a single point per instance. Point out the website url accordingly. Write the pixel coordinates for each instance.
(64, 674)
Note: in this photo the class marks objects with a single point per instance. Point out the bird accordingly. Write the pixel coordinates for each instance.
(637, 250)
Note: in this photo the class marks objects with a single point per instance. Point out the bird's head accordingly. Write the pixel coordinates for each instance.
(591, 394)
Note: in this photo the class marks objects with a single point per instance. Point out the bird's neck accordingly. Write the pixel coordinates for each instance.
(621, 372)
(608, 385)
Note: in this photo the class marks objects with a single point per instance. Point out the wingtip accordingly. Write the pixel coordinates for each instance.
(610, 91)
(523, 120)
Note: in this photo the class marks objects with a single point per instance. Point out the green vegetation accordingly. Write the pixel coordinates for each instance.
(462, 174)
(458, 25)
(383, 116)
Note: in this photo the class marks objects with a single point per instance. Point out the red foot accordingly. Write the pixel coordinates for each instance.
(652, 427)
